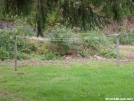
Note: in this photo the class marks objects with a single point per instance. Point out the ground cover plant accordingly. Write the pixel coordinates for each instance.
(88, 81)
(62, 43)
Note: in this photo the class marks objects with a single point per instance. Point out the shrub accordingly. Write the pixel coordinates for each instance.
(3, 53)
(108, 52)
(51, 56)
(24, 56)
(126, 38)
(60, 40)
(84, 53)
(26, 46)
(6, 39)
(131, 38)
(91, 39)
(42, 48)
(7, 42)
(95, 42)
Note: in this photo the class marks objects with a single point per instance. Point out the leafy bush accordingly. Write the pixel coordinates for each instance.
(22, 28)
(6, 41)
(96, 42)
(131, 38)
(3, 53)
(53, 17)
(51, 56)
(108, 52)
(126, 38)
(24, 56)
(84, 53)
(42, 48)
(24, 46)
(92, 39)
(60, 40)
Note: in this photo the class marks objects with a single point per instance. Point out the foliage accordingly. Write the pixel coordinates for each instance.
(91, 39)
(7, 42)
(51, 56)
(53, 18)
(3, 53)
(117, 9)
(22, 28)
(130, 38)
(23, 56)
(85, 53)
(95, 42)
(90, 43)
(126, 37)
(43, 51)
(42, 47)
(16, 7)
(108, 52)
(60, 40)
(77, 13)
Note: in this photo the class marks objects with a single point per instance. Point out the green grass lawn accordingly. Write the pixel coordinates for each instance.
(92, 81)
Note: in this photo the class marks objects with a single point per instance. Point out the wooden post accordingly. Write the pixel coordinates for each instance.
(15, 53)
(117, 49)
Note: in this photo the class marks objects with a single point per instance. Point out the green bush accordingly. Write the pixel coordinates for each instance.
(42, 48)
(131, 38)
(60, 40)
(84, 53)
(23, 56)
(25, 46)
(51, 56)
(6, 42)
(92, 40)
(95, 42)
(20, 56)
(126, 38)
(108, 52)
(3, 53)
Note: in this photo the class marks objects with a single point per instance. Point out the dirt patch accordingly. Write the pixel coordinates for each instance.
(128, 52)
(7, 95)
(127, 24)
(61, 63)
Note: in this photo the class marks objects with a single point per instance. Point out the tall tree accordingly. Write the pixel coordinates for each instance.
(80, 13)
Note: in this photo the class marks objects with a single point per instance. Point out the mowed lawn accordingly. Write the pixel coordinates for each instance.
(91, 81)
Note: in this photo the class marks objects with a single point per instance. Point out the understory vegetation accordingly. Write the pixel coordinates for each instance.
(81, 37)
(126, 38)
(63, 42)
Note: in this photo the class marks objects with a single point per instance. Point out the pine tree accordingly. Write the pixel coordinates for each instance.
(86, 14)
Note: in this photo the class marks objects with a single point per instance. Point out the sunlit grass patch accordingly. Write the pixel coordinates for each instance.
(91, 81)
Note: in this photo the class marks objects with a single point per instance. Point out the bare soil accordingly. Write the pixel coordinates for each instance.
(128, 52)
(126, 25)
